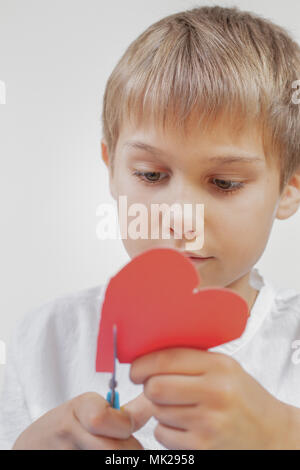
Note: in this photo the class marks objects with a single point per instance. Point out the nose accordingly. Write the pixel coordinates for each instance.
(187, 223)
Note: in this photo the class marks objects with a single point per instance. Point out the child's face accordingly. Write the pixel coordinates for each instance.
(236, 225)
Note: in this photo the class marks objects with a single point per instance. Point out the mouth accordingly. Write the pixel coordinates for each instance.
(197, 258)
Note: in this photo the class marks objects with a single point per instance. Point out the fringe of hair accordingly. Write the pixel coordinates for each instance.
(204, 64)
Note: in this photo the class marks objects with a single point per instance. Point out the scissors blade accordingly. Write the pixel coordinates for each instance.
(113, 382)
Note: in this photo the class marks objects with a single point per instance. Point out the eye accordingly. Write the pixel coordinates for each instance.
(152, 175)
(227, 186)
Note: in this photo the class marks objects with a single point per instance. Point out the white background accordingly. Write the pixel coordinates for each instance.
(55, 59)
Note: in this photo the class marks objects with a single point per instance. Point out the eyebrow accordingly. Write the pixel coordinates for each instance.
(227, 158)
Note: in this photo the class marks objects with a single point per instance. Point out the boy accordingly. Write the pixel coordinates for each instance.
(198, 110)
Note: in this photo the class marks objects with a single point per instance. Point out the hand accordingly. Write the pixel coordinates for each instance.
(206, 400)
(87, 422)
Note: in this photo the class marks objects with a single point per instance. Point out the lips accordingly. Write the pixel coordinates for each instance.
(193, 255)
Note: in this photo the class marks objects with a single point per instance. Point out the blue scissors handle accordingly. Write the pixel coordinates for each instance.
(113, 396)
(115, 403)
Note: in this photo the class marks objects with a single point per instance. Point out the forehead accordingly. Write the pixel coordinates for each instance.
(216, 138)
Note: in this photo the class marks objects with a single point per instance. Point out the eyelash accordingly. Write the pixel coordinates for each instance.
(141, 174)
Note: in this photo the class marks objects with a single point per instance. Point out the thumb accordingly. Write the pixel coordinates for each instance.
(140, 410)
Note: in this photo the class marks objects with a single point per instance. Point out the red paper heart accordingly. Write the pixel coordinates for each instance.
(153, 303)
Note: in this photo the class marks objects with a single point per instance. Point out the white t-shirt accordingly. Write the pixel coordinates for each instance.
(51, 356)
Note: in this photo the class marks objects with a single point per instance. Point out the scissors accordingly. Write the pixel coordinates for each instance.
(113, 395)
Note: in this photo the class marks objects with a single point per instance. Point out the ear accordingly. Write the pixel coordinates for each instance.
(290, 198)
(106, 159)
(104, 152)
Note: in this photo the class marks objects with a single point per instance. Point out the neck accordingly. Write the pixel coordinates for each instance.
(244, 289)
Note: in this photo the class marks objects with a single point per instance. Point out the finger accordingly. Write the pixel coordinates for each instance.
(124, 444)
(97, 416)
(140, 409)
(174, 439)
(87, 441)
(176, 389)
(81, 439)
(179, 417)
(175, 361)
(201, 424)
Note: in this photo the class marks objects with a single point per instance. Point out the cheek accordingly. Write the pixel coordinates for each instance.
(136, 247)
(137, 220)
(244, 227)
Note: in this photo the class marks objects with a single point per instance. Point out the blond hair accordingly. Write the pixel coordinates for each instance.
(210, 62)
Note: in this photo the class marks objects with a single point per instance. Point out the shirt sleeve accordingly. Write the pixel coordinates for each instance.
(14, 416)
